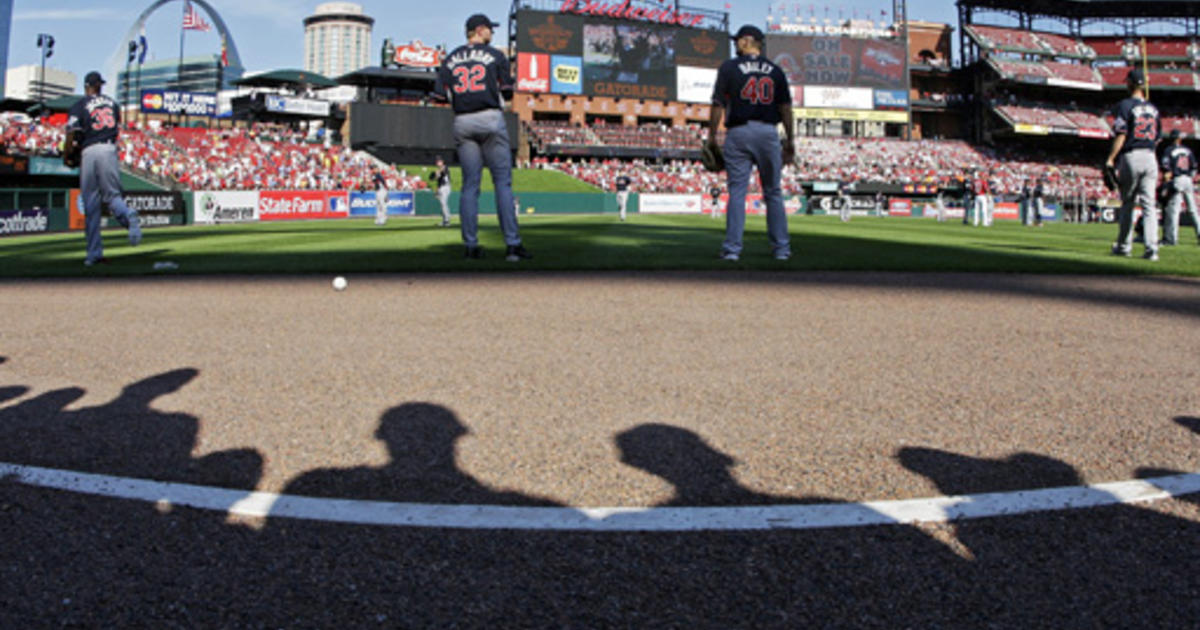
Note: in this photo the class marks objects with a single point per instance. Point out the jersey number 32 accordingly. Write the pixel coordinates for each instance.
(470, 78)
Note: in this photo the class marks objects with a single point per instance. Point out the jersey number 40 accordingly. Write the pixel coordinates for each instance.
(758, 91)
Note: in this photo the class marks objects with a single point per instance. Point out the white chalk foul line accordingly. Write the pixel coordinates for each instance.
(832, 515)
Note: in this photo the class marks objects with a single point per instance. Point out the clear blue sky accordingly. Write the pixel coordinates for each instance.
(269, 33)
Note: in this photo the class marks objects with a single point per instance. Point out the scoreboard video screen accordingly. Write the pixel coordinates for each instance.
(843, 77)
(593, 56)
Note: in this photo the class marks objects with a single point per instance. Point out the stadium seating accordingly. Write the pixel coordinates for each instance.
(1005, 38)
(1076, 72)
(1106, 47)
(1063, 45)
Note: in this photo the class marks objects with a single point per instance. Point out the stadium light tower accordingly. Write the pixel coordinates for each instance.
(900, 15)
(46, 43)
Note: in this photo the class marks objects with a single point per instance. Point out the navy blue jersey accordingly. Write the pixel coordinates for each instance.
(750, 87)
(473, 76)
(714, 192)
(442, 176)
(379, 181)
(98, 117)
(623, 183)
(1140, 123)
(1179, 161)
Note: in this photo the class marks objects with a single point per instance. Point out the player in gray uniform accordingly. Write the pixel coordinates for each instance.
(92, 127)
(1179, 165)
(381, 198)
(622, 185)
(1137, 129)
(441, 179)
(473, 78)
(752, 96)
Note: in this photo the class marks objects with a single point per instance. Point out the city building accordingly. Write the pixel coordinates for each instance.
(202, 74)
(6, 7)
(337, 39)
(27, 83)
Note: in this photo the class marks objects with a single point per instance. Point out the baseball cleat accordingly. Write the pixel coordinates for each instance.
(1151, 255)
(99, 261)
(1117, 250)
(473, 252)
(782, 255)
(730, 256)
(515, 253)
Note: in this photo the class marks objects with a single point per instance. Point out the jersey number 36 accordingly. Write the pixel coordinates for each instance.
(103, 119)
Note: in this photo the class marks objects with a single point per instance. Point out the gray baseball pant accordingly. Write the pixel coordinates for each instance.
(1182, 192)
(1137, 173)
(100, 187)
(443, 195)
(482, 139)
(754, 144)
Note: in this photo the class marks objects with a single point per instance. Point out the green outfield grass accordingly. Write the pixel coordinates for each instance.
(593, 243)
(524, 180)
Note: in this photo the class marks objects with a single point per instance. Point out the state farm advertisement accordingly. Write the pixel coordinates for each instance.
(533, 72)
(284, 205)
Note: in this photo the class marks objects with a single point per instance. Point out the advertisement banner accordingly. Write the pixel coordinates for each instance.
(19, 222)
(851, 114)
(900, 208)
(418, 55)
(49, 166)
(695, 85)
(566, 74)
(670, 204)
(541, 31)
(226, 206)
(175, 102)
(1006, 210)
(838, 97)
(839, 61)
(298, 106)
(533, 72)
(399, 202)
(155, 209)
(891, 99)
(284, 205)
(755, 205)
(629, 60)
(701, 48)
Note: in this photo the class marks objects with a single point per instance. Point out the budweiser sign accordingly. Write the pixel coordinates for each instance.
(418, 55)
(628, 11)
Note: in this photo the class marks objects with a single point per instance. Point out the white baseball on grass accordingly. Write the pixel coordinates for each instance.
(339, 283)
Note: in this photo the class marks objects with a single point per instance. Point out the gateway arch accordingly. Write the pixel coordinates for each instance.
(116, 61)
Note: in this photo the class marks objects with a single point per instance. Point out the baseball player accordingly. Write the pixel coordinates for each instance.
(472, 77)
(968, 197)
(1039, 201)
(622, 184)
(441, 179)
(1136, 128)
(1025, 203)
(715, 193)
(1179, 165)
(752, 97)
(844, 189)
(381, 198)
(92, 127)
(979, 210)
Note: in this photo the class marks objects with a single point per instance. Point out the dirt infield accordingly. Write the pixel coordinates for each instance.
(811, 385)
(603, 390)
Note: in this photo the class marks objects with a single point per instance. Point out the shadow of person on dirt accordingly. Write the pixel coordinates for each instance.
(1123, 565)
(420, 439)
(1191, 423)
(125, 436)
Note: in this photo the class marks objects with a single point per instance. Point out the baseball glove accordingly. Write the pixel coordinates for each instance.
(1110, 178)
(72, 152)
(712, 158)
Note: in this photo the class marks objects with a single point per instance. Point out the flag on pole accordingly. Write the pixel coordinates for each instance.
(224, 53)
(142, 48)
(192, 20)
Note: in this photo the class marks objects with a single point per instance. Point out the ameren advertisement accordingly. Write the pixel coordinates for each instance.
(284, 205)
(220, 206)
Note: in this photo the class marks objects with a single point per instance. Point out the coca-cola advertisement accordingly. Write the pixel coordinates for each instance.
(283, 205)
(418, 55)
(533, 72)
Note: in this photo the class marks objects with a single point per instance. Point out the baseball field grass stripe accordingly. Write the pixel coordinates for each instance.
(626, 519)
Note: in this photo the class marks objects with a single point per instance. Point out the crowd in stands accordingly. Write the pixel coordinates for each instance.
(31, 137)
(262, 157)
(927, 162)
(1012, 39)
(645, 136)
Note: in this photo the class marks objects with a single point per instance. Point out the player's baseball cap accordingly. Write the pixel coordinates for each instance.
(1135, 77)
(748, 30)
(479, 19)
(93, 78)
(1174, 135)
